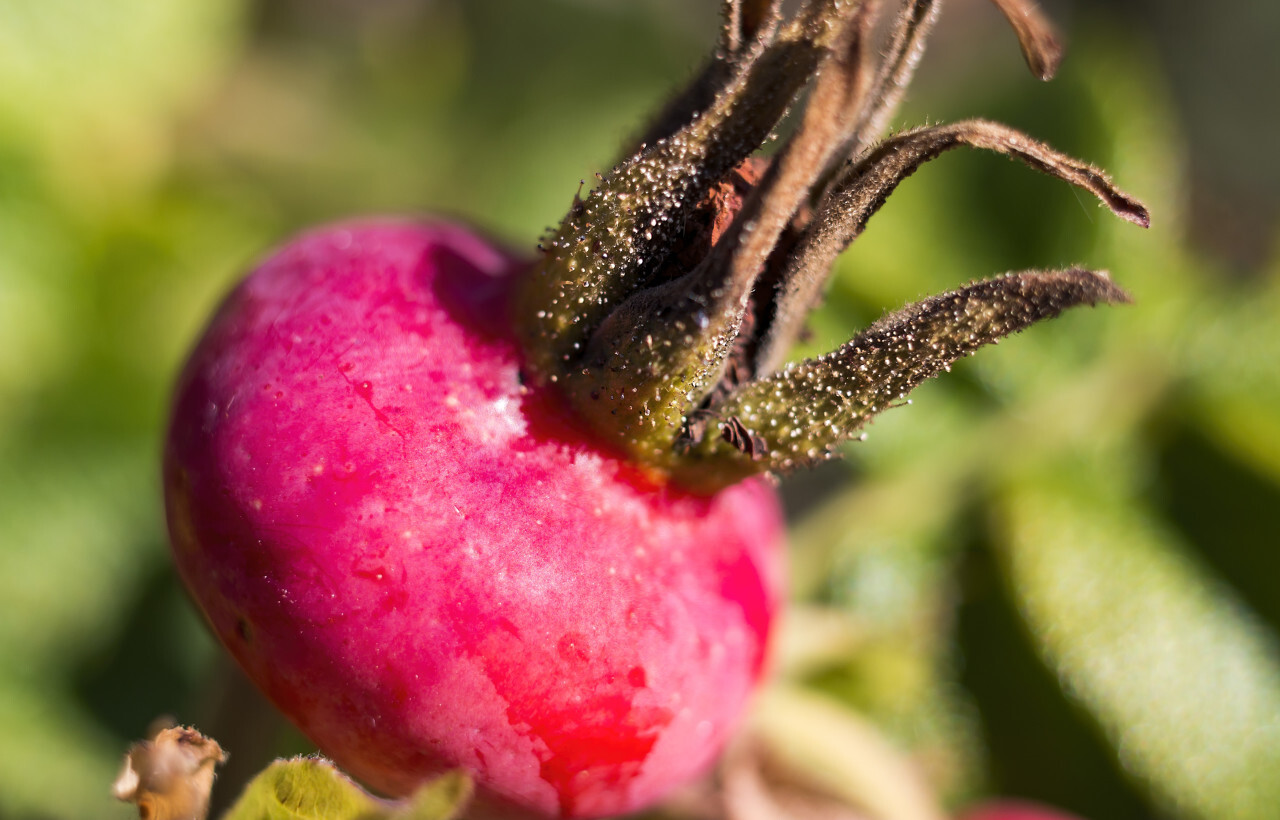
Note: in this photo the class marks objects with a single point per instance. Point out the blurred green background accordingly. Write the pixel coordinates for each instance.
(1056, 576)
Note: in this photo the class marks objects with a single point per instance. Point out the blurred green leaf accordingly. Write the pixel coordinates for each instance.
(308, 788)
(1178, 673)
(91, 87)
(81, 531)
(54, 762)
(37, 296)
(1232, 361)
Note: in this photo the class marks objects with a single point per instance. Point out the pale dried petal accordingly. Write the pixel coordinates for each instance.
(170, 776)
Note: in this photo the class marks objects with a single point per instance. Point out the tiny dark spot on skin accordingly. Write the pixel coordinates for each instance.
(243, 630)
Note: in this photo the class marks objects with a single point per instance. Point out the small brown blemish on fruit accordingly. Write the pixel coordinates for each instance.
(243, 631)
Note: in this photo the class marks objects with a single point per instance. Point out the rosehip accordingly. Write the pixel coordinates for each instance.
(451, 510)
(425, 564)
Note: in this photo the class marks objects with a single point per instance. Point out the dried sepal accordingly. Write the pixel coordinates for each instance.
(748, 26)
(803, 412)
(746, 21)
(856, 196)
(660, 375)
(911, 31)
(668, 298)
(830, 112)
(1041, 47)
(170, 776)
(611, 242)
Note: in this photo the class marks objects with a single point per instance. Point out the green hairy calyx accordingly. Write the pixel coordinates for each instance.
(664, 305)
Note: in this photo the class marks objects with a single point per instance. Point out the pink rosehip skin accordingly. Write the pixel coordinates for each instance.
(426, 565)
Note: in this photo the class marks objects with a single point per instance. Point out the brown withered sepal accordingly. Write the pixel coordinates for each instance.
(665, 304)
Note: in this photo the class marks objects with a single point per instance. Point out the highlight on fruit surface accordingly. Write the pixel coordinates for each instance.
(452, 510)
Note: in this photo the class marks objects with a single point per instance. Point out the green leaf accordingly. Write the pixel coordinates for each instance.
(441, 799)
(1231, 362)
(54, 760)
(91, 88)
(81, 530)
(1179, 674)
(309, 788)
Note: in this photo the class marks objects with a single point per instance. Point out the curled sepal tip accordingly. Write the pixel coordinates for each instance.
(799, 415)
(859, 192)
(1041, 46)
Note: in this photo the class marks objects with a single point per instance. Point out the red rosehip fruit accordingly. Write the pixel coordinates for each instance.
(451, 510)
(425, 564)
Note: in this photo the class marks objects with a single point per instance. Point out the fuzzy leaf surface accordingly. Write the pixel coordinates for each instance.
(313, 789)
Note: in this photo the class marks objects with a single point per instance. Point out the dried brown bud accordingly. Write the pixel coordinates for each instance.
(169, 777)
